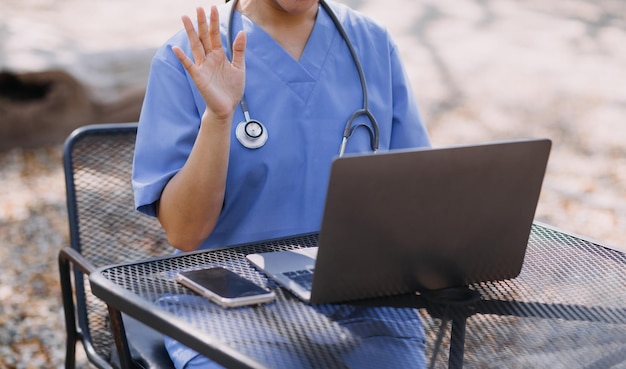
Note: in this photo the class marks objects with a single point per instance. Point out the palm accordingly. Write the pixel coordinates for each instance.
(220, 82)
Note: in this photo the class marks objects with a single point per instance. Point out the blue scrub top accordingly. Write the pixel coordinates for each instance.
(279, 189)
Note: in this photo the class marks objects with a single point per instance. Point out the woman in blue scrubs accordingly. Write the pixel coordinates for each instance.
(290, 62)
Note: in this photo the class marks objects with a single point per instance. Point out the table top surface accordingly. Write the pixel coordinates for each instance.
(567, 308)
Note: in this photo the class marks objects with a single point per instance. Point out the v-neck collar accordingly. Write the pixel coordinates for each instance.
(301, 76)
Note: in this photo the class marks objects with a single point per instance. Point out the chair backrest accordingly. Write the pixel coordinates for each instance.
(105, 228)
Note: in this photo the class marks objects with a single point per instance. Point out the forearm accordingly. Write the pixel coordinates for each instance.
(192, 200)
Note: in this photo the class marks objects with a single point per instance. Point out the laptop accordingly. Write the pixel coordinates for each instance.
(418, 220)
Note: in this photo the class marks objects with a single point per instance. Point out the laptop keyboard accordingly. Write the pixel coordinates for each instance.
(302, 277)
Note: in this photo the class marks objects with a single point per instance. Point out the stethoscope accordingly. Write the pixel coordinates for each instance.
(252, 134)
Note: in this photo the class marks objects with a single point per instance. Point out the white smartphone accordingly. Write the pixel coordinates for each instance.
(225, 287)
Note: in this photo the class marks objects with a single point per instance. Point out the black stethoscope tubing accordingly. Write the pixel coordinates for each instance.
(349, 128)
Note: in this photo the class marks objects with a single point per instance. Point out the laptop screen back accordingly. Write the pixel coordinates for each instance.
(427, 219)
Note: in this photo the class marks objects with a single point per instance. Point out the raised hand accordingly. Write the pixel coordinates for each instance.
(220, 81)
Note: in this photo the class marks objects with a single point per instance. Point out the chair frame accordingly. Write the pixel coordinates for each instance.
(74, 266)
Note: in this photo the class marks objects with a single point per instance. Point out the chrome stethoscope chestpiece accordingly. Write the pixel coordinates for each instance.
(251, 134)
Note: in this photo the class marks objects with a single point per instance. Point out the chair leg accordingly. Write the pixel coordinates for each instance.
(70, 354)
(68, 257)
(69, 310)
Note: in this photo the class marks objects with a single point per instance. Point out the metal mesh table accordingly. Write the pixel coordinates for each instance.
(567, 309)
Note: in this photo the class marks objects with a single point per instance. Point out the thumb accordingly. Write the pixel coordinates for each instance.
(239, 49)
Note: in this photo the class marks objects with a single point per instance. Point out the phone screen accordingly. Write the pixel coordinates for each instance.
(225, 286)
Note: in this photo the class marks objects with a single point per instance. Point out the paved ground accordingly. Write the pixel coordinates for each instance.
(483, 70)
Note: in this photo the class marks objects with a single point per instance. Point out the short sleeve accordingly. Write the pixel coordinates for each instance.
(408, 129)
(168, 125)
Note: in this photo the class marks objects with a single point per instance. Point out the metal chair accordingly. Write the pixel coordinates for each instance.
(105, 229)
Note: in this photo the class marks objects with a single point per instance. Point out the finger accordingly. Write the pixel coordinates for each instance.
(203, 30)
(184, 59)
(214, 30)
(239, 50)
(197, 49)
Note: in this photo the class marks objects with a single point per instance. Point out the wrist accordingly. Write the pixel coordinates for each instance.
(210, 118)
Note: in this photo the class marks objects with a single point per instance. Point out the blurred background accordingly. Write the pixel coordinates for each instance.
(483, 70)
